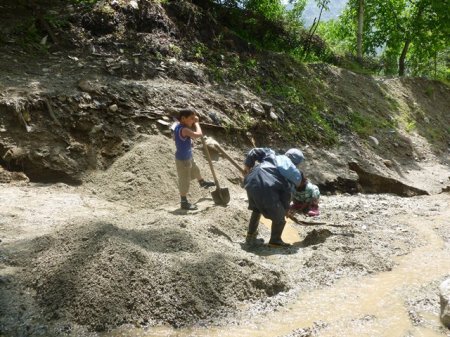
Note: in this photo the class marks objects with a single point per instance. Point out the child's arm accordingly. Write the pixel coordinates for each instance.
(186, 132)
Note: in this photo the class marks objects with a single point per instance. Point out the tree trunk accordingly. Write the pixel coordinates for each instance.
(312, 31)
(416, 19)
(41, 19)
(401, 60)
(359, 35)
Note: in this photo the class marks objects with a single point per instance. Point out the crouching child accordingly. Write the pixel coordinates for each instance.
(306, 197)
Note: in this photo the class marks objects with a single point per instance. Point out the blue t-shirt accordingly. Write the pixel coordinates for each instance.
(184, 144)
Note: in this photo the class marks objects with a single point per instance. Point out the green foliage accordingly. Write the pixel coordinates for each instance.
(265, 24)
(29, 37)
(326, 131)
(272, 10)
(305, 116)
(361, 124)
(419, 28)
(410, 125)
(294, 15)
(429, 91)
(200, 50)
(175, 50)
(366, 125)
(332, 32)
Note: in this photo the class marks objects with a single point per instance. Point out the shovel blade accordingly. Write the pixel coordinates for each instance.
(221, 196)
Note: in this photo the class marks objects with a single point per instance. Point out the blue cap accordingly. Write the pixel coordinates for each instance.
(295, 155)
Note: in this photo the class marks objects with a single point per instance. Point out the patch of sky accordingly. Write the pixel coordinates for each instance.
(312, 11)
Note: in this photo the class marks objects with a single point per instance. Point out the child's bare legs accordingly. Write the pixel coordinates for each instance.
(187, 170)
(195, 173)
(184, 179)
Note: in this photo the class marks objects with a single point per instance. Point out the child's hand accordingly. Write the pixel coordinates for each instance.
(197, 120)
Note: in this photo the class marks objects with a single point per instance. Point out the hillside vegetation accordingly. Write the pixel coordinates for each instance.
(245, 87)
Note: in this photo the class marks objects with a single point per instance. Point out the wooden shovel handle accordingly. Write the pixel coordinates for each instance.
(205, 147)
(226, 155)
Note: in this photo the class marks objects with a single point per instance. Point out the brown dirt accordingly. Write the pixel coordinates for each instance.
(97, 256)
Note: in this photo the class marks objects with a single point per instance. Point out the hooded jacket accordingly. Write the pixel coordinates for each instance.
(270, 182)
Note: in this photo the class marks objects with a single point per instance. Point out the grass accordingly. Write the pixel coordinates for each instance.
(410, 125)
(306, 116)
(361, 124)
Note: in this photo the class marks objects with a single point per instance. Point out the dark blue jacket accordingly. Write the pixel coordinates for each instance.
(271, 181)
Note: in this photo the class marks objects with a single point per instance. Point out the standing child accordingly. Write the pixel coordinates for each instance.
(187, 169)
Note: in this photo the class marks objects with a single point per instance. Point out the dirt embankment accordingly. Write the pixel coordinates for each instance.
(71, 111)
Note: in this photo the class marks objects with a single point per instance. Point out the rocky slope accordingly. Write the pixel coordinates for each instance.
(75, 110)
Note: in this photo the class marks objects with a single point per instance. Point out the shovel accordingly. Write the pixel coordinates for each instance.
(221, 196)
(215, 145)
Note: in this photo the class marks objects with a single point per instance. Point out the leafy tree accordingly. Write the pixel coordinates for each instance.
(359, 35)
(414, 32)
(331, 32)
(295, 13)
(271, 9)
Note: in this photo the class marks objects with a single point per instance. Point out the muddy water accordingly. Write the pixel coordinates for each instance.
(368, 306)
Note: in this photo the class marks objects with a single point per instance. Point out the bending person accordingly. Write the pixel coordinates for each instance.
(269, 186)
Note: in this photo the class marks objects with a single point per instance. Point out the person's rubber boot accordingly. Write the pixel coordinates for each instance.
(253, 224)
(314, 211)
(275, 237)
(206, 183)
(188, 206)
(278, 244)
(253, 240)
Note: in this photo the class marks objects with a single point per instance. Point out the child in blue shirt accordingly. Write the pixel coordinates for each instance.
(187, 169)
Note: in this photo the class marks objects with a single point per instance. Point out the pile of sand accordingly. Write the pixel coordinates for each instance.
(148, 265)
(146, 175)
(103, 275)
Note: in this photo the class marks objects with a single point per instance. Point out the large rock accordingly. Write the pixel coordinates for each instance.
(444, 290)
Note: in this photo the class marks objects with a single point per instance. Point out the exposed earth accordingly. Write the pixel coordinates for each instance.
(92, 238)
